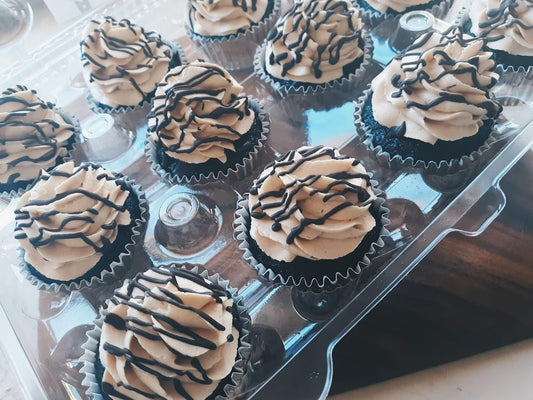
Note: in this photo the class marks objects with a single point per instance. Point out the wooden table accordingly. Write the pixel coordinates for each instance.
(469, 295)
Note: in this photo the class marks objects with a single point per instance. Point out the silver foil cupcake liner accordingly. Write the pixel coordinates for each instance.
(374, 17)
(232, 389)
(235, 51)
(236, 172)
(117, 268)
(70, 119)
(101, 108)
(442, 167)
(344, 83)
(352, 274)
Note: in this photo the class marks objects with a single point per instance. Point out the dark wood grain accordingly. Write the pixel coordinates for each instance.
(469, 295)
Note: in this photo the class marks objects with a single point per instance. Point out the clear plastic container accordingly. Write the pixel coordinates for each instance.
(293, 331)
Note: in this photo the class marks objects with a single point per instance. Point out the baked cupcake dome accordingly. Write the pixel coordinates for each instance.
(507, 26)
(122, 63)
(433, 103)
(168, 333)
(34, 135)
(311, 219)
(202, 124)
(78, 225)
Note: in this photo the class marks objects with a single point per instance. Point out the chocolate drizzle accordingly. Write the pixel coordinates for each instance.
(505, 16)
(340, 186)
(307, 18)
(155, 283)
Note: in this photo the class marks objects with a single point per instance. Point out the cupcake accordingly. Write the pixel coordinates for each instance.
(169, 333)
(122, 63)
(77, 225)
(311, 219)
(432, 107)
(316, 45)
(229, 31)
(507, 25)
(202, 126)
(375, 11)
(34, 135)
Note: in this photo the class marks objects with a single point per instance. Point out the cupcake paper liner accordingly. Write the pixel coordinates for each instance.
(243, 352)
(70, 119)
(116, 268)
(352, 275)
(344, 83)
(442, 167)
(239, 171)
(373, 17)
(101, 108)
(236, 51)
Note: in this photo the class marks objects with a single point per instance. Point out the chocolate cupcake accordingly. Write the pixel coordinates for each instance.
(507, 26)
(432, 106)
(229, 31)
(122, 63)
(34, 135)
(311, 219)
(202, 126)
(78, 225)
(316, 45)
(168, 333)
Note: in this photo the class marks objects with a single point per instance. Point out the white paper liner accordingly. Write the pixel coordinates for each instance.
(237, 172)
(319, 283)
(236, 51)
(374, 17)
(441, 167)
(70, 119)
(243, 351)
(101, 108)
(116, 268)
(344, 83)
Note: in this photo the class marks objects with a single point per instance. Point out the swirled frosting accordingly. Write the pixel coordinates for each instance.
(169, 334)
(224, 17)
(506, 24)
(313, 203)
(32, 135)
(313, 41)
(122, 63)
(69, 218)
(439, 89)
(199, 111)
(397, 5)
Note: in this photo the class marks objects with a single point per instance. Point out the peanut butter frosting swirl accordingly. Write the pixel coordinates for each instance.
(396, 5)
(199, 111)
(169, 334)
(439, 89)
(224, 17)
(506, 24)
(69, 218)
(122, 63)
(313, 203)
(32, 135)
(314, 41)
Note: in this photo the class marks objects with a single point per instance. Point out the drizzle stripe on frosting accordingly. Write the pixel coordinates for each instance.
(168, 334)
(313, 203)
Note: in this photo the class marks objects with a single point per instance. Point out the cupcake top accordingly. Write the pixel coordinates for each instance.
(69, 218)
(313, 41)
(224, 17)
(199, 111)
(439, 89)
(168, 334)
(313, 203)
(122, 63)
(506, 24)
(32, 135)
(396, 5)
